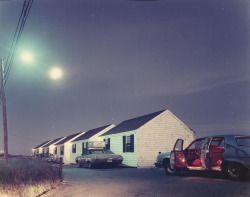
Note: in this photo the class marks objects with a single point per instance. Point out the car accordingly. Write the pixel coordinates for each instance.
(46, 157)
(226, 153)
(98, 157)
(162, 159)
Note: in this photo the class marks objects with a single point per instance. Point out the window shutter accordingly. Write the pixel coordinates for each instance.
(124, 143)
(82, 148)
(109, 143)
(132, 143)
(72, 148)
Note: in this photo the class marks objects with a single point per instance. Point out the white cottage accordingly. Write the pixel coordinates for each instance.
(62, 149)
(39, 149)
(80, 144)
(50, 147)
(139, 140)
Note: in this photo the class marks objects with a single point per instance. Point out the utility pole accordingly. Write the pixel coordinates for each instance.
(5, 129)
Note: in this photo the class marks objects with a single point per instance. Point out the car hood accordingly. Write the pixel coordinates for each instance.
(103, 156)
(163, 155)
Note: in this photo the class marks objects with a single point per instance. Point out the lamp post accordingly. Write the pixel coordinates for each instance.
(5, 129)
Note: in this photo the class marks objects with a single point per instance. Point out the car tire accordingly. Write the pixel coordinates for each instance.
(235, 171)
(90, 166)
(79, 165)
(170, 170)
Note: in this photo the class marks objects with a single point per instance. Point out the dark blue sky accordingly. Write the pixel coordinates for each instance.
(122, 59)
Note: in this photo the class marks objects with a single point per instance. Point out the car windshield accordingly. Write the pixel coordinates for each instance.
(108, 152)
(243, 141)
(96, 151)
(100, 152)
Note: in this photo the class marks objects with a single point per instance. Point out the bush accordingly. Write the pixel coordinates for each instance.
(27, 171)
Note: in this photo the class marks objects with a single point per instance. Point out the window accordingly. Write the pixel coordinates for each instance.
(55, 151)
(62, 150)
(48, 150)
(128, 143)
(107, 143)
(73, 148)
(243, 141)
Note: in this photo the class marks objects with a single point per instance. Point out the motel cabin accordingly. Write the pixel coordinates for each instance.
(139, 140)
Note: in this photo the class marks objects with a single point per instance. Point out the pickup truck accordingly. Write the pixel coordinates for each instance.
(162, 160)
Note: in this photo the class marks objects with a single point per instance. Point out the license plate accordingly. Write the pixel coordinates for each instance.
(109, 160)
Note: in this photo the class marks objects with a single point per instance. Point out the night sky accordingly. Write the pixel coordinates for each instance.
(122, 59)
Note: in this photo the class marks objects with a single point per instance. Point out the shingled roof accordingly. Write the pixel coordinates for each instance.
(67, 139)
(90, 133)
(132, 124)
(42, 144)
(53, 141)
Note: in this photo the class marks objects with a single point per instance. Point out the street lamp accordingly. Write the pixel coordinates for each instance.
(56, 73)
(27, 57)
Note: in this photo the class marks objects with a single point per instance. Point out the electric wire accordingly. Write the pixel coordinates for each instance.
(24, 138)
(16, 39)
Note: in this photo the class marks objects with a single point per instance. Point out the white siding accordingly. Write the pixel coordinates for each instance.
(159, 135)
(52, 146)
(78, 150)
(116, 146)
(67, 150)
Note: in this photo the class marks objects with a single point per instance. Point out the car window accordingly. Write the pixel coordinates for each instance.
(218, 142)
(196, 144)
(95, 151)
(108, 152)
(243, 141)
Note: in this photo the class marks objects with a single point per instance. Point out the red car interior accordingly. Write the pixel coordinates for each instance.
(215, 153)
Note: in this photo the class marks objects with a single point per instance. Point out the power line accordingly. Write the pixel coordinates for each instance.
(25, 138)
(27, 4)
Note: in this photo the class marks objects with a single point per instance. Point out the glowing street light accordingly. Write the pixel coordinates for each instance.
(27, 57)
(56, 73)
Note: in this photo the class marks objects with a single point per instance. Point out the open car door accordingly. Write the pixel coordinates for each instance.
(205, 158)
(177, 157)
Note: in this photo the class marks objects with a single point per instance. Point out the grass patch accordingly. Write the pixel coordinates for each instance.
(27, 177)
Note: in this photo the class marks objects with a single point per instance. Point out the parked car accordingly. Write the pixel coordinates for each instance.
(46, 157)
(98, 157)
(227, 153)
(162, 159)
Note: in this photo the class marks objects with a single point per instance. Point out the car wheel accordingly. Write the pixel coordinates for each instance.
(79, 165)
(90, 165)
(235, 171)
(170, 170)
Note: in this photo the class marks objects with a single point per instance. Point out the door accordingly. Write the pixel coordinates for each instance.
(205, 158)
(177, 157)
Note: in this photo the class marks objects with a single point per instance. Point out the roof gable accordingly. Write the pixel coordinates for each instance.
(67, 138)
(132, 124)
(90, 133)
(42, 144)
(53, 141)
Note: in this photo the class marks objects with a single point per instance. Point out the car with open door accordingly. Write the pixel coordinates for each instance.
(227, 153)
